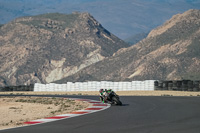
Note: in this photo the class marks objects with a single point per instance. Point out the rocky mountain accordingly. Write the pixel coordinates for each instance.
(170, 52)
(52, 46)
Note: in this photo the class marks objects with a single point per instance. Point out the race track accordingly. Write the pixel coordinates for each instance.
(139, 114)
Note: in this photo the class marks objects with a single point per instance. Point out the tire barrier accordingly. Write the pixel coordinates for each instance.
(17, 88)
(177, 85)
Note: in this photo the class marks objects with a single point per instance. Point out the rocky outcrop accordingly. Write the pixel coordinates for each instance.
(170, 52)
(49, 47)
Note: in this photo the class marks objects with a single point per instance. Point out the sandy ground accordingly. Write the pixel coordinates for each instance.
(120, 93)
(14, 111)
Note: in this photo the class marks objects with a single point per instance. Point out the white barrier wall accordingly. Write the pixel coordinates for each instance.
(147, 85)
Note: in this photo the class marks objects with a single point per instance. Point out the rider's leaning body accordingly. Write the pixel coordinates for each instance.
(101, 92)
(104, 94)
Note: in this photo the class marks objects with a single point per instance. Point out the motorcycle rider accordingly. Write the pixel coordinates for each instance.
(109, 96)
(101, 91)
(104, 95)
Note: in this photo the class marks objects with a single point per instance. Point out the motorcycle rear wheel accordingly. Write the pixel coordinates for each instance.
(116, 101)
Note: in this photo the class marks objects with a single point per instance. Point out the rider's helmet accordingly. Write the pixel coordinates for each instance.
(101, 90)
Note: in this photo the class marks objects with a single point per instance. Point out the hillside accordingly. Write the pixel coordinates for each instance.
(49, 47)
(170, 52)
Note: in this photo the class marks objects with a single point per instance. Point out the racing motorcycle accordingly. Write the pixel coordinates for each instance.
(113, 99)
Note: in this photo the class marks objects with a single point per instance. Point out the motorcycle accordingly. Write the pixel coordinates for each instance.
(113, 99)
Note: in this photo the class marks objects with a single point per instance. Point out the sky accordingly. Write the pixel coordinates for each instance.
(123, 18)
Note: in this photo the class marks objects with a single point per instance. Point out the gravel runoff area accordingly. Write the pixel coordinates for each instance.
(15, 111)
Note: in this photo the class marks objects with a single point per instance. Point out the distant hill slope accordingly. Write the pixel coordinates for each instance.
(170, 52)
(49, 47)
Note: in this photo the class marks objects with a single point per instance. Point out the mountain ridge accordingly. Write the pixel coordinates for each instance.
(75, 47)
(170, 52)
(48, 47)
(111, 14)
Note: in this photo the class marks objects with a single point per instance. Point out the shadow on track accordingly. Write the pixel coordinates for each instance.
(120, 105)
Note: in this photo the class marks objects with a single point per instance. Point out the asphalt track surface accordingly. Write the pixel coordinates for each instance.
(139, 114)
